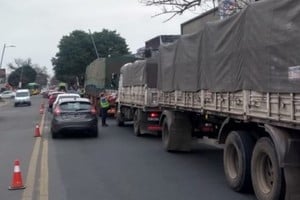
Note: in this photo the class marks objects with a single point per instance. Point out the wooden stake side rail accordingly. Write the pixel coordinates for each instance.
(282, 108)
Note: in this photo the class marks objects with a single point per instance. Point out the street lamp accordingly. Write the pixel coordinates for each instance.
(3, 50)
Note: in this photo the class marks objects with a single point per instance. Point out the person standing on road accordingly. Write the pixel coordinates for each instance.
(104, 106)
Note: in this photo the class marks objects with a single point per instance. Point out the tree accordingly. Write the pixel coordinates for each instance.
(41, 75)
(76, 52)
(178, 7)
(23, 72)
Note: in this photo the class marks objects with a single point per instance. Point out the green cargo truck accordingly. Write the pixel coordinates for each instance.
(102, 76)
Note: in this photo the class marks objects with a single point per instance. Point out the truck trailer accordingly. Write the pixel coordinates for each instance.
(237, 81)
(102, 76)
(137, 97)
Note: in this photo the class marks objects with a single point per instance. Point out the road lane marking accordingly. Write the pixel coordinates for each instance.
(30, 179)
(44, 164)
(44, 172)
(27, 194)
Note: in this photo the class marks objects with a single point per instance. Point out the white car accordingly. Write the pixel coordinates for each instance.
(63, 96)
(22, 97)
(7, 94)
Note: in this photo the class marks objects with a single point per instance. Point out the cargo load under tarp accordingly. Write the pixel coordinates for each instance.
(141, 72)
(98, 75)
(257, 49)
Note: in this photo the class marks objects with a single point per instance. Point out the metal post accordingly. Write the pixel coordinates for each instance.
(94, 43)
(21, 77)
(3, 50)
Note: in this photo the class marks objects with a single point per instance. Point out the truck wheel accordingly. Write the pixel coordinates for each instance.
(267, 176)
(119, 119)
(237, 160)
(176, 132)
(137, 123)
(166, 135)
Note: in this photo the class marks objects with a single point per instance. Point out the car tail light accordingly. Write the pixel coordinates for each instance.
(93, 111)
(57, 111)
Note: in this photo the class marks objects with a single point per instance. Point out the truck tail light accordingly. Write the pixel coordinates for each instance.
(153, 115)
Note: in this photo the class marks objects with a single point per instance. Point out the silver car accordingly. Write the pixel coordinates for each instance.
(8, 94)
(74, 115)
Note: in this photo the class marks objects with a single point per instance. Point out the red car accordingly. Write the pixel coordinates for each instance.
(52, 98)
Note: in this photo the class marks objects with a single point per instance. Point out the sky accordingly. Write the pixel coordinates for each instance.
(35, 27)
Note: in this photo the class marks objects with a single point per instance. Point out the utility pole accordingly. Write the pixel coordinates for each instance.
(94, 43)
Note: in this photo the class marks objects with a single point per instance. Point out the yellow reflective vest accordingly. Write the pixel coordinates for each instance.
(104, 103)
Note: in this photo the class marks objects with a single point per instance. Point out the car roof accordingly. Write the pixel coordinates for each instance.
(22, 90)
(68, 94)
(76, 99)
(56, 92)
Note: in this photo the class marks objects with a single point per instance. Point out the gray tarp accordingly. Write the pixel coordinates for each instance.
(257, 49)
(98, 74)
(140, 72)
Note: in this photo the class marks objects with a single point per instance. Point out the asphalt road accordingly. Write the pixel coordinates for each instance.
(115, 166)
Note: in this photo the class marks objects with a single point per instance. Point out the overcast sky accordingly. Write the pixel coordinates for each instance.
(35, 27)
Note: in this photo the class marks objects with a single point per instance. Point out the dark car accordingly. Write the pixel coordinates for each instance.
(74, 115)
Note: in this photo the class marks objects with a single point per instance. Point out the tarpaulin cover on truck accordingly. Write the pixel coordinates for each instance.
(141, 72)
(255, 49)
(98, 75)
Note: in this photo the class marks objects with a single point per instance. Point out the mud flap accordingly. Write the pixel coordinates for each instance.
(180, 132)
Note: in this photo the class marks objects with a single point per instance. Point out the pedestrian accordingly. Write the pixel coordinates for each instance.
(104, 106)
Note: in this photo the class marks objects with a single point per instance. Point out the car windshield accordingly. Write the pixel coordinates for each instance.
(75, 106)
(22, 94)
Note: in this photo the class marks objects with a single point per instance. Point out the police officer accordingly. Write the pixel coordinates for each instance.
(104, 105)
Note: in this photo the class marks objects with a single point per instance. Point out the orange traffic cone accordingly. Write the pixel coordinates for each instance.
(37, 131)
(17, 182)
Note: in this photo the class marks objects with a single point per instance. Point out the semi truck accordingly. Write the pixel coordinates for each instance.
(102, 76)
(137, 97)
(237, 82)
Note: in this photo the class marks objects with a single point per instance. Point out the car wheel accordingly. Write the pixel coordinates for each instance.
(54, 134)
(95, 133)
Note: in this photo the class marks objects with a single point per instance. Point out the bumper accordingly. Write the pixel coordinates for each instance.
(58, 125)
(22, 102)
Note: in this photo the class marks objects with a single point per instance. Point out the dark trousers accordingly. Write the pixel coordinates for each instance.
(104, 115)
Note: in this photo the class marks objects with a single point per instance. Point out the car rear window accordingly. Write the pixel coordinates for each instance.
(22, 94)
(75, 106)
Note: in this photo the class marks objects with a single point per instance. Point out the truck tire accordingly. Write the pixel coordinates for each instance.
(237, 160)
(120, 118)
(267, 176)
(176, 132)
(137, 123)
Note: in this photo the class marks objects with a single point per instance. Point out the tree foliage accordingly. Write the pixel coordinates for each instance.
(31, 73)
(178, 7)
(23, 72)
(76, 51)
